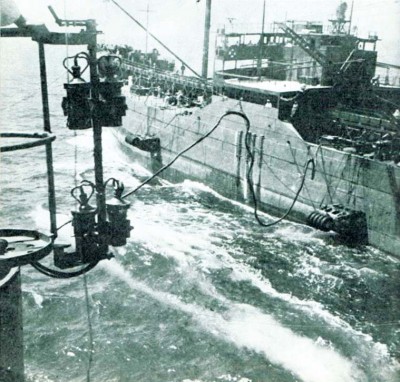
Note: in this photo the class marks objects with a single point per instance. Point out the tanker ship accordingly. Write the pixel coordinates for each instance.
(296, 122)
(317, 144)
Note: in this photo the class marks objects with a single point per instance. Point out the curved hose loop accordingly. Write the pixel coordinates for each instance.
(309, 163)
(241, 114)
(62, 275)
(230, 112)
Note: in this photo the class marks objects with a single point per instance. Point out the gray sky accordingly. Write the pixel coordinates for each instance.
(179, 23)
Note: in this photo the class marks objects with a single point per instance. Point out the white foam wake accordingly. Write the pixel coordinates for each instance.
(196, 251)
(247, 327)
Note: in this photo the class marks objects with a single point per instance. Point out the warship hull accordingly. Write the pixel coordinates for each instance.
(222, 162)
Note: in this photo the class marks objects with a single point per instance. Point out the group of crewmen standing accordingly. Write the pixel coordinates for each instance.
(180, 98)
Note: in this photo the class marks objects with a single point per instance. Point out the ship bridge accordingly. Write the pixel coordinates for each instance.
(282, 95)
(300, 51)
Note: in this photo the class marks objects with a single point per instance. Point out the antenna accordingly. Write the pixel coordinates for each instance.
(147, 10)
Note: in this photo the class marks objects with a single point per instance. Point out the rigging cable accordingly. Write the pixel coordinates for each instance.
(155, 38)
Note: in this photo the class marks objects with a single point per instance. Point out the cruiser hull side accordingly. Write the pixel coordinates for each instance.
(221, 161)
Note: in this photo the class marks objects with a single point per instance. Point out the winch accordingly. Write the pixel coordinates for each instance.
(349, 223)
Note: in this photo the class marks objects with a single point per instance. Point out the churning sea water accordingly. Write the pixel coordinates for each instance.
(201, 292)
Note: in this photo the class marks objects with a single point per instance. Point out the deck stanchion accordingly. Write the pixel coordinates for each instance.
(49, 149)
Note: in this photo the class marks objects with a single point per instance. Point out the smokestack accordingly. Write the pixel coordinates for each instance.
(341, 11)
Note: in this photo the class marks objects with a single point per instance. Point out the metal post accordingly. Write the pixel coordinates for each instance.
(261, 43)
(43, 83)
(238, 157)
(260, 163)
(207, 24)
(97, 131)
(49, 150)
(11, 330)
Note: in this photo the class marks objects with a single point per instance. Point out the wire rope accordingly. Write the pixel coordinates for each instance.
(155, 38)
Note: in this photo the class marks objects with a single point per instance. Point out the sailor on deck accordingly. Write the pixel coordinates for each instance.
(299, 94)
(296, 99)
(268, 105)
(376, 80)
(180, 98)
(396, 118)
(170, 99)
(295, 107)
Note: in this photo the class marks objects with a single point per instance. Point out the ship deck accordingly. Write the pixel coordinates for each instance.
(273, 86)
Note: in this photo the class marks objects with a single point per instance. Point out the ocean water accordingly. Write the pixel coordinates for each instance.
(201, 293)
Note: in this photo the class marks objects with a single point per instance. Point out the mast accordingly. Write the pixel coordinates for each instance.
(147, 10)
(259, 61)
(351, 17)
(207, 24)
(147, 26)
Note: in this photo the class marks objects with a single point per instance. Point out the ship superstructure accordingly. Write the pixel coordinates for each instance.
(309, 100)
